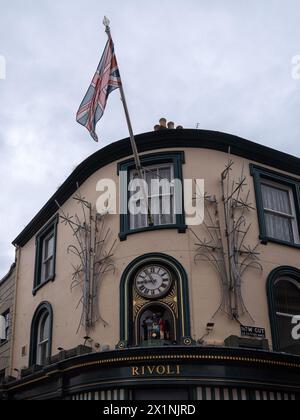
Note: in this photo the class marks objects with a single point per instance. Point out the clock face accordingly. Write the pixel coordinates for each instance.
(153, 281)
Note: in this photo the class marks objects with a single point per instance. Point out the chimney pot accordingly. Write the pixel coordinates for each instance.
(163, 122)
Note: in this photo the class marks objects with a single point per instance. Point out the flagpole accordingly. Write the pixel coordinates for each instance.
(137, 160)
(136, 156)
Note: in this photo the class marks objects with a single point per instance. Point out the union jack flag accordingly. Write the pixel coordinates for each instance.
(106, 80)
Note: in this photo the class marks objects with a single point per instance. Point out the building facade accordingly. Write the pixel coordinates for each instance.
(155, 305)
(7, 294)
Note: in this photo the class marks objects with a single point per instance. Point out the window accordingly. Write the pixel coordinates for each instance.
(160, 198)
(43, 339)
(41, 335)
(6, 326)
(284, 301)
(280, 214)
(278, 201)
(48, 258)
(163, 208)
(45, 255)
(2, 376)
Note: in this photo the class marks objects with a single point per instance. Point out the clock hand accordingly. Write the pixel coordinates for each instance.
(146, 281)
(153, 281)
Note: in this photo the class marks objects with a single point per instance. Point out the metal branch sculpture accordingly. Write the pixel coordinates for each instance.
(226, 250)
(95, 258)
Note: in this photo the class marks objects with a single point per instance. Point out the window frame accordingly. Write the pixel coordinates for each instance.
(41, 343)
(292, 216)
(43, 309)
(151, 197)
(177, 159)
(45, 234)
(46, 259)
(289, 274)
(6, 314)
(263, 175)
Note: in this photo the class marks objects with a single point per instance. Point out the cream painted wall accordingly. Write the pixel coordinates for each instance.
(204, 286)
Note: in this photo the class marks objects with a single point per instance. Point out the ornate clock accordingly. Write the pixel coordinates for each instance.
(153, 281)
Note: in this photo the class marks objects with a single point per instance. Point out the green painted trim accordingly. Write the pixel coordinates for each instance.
(286, 271)
(52, 225)
(123, 234)
(259, 173)
(42, 308)
(177, 159)
(125, 298)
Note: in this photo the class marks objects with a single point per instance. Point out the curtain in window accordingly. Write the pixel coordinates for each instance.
(279, 227)
(278, 213)
(276, 199)
(160, 202)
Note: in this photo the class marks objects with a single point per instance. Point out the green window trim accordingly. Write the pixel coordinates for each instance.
(175, 158)
(284, 271)
(44, 307)
(126, 296)
(260, 173)
(42, 235)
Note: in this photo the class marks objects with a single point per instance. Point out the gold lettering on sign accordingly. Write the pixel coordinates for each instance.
(134, 371)
(160, 370)
(151, 369)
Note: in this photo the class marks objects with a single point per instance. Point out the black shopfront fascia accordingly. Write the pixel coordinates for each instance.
(161, 368)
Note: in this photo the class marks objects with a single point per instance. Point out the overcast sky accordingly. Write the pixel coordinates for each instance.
(225, 64)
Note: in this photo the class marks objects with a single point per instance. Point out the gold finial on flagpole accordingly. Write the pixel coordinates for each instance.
(106, 23)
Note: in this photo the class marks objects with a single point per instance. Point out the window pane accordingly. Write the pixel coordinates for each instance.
(279, 227)
(287, 305)
(44, 353)
(43, 339)
(286, 341)
(287, 298)
(165, 173)
(48, 269)
(49, 247)
(44, 327)
(138, 220)
(276, 199)
(7, 322)
(149, 175)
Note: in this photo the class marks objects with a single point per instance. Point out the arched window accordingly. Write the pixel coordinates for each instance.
(284, 302)
(41, 335)
(154, 303)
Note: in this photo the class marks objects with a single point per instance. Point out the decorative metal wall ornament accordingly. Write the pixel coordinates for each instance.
(95, 257)
(225, 248)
